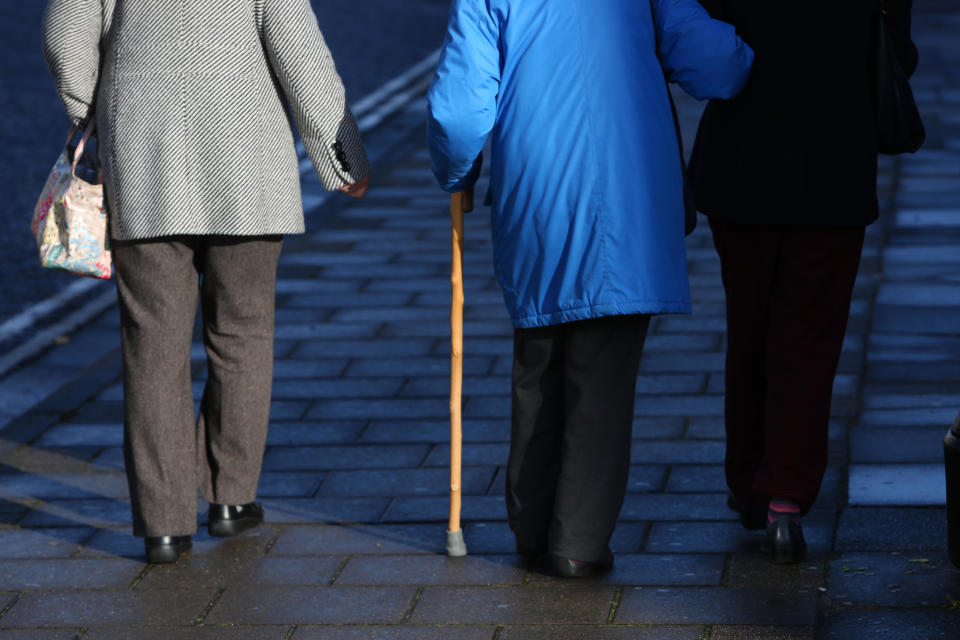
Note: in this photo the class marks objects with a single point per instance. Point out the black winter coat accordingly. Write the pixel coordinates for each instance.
(798, 146)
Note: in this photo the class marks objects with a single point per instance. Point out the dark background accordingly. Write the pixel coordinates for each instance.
(372, 41)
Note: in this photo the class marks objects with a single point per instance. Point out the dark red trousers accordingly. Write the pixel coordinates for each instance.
(788, 293)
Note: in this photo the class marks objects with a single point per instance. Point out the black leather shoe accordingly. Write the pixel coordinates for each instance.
(166, 549)
(570, 568)
(225, 520)
(785, 541)
(753, 518)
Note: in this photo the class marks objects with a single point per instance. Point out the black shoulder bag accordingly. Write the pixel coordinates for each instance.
(899, 126)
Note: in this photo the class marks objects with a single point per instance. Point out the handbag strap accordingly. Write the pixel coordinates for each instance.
(91, 127)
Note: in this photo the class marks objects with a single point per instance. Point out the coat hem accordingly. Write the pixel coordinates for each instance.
(588, 312)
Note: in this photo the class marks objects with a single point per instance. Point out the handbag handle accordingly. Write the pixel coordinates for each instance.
(91, 127)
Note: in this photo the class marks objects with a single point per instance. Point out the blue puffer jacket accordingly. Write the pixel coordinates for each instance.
(587, 194)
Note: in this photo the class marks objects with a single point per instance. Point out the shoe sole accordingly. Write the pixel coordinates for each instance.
(166, 554)
(233, 527)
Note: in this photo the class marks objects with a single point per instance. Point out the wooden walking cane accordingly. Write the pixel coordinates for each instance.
(460, 203)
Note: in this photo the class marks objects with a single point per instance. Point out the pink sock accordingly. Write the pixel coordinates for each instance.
(782, 508)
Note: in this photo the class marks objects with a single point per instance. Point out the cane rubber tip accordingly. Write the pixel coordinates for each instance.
(456, 547)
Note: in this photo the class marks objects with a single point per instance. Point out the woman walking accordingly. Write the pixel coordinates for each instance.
(588, 226)
(202, 181)
(787, 174)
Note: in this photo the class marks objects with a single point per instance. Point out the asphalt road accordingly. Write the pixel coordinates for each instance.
(372, 41)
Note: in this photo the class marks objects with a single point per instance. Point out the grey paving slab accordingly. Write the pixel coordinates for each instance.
(755, 570)
(665, 506)
(909, 417)
(324, 509)
(606, 632)
(73, 513)
(435, 430)
(514, 605)
(720, 605)
(119, 543)
(412, 367)
(439, 386)
(396, 632)
(40, 634)
(893, 580)
(480, 453)
(653, 569)
(729, 537)
(287, 368)
(423, 509)
(701, 537)
(755, 632)
(859, 624)
(107, 608)
(383, 408)
(326, 605)
(432, 570)
(77, 485)
(892, 529)
(353, 539)
(404, 482)
(897, 444)
(367, 456)
(354, 388)
(214, 571)
(68, 435)
(900, 484)
(658, 427)
(380, 348)
(497, 538)
(16, 575)
(677, 451)
(314, 433)
(205, 632)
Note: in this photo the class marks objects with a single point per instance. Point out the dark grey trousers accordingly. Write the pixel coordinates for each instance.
(572, 416)
(168, 452)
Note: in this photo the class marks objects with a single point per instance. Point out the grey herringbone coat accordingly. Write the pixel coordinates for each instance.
(194, 132)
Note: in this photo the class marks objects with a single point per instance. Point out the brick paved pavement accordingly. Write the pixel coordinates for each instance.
(354, 477)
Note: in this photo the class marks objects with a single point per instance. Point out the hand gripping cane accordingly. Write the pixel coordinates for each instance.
(460, 203)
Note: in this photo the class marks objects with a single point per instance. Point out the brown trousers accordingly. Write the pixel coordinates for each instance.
(168, 452)
(788, 292)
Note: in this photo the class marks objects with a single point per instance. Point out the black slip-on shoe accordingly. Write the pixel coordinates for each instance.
(752, 519)
(785, 541)
(225, 520)
(570, 568)
(166, 549)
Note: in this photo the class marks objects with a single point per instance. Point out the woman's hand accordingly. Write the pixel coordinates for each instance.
(358, 189)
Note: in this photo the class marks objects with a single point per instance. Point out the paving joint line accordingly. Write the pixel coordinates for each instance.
(617, 597)
(11, 603)
(413, 605)
(210, 605)
(140, 576)
(336, 574)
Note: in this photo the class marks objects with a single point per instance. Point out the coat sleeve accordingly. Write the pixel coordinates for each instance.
(704, 56)
(71, 45)
(462, 100)
(304, 67)
(898, 26)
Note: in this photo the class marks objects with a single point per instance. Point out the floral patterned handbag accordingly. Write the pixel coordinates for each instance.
(70, 219)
